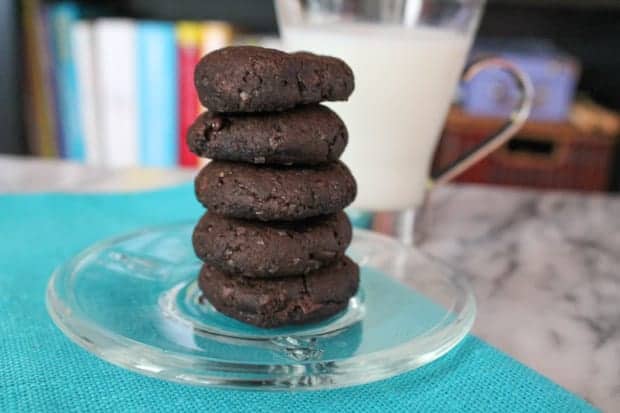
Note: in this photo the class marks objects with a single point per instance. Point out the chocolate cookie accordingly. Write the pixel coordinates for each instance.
(255, 79)
(274, 193)
(305, 135)
(282, 301)
(258, 249)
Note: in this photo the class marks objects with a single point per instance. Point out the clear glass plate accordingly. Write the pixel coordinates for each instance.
(133, 301)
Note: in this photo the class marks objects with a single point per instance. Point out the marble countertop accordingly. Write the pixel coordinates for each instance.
(545, 266)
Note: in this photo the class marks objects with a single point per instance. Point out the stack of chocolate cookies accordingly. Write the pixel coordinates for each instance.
(274, 236)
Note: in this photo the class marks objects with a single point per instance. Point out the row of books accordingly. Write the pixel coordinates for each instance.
(112, 91)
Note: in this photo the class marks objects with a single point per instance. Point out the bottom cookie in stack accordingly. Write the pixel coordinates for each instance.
(277, 302)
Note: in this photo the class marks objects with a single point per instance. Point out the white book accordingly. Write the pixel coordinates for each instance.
(215, 35)
(82, 37)
(116, 90)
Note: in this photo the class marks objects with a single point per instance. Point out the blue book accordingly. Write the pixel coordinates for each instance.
(61, 18)
(157, 93)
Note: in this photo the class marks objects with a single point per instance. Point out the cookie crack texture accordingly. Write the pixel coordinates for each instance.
(301, 88)
(305, 284)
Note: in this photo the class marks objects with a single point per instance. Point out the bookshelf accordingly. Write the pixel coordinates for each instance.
(567, 22)
(11, 136)
(255, 16)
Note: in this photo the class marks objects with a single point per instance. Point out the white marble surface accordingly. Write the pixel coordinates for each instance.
(545, 266)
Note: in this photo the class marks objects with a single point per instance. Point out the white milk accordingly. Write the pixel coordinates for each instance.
(405, 79)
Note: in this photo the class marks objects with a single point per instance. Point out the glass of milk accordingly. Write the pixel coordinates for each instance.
(407, 57)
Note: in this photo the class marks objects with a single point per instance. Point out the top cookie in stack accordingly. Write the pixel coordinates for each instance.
(274, 238)
(254, 79)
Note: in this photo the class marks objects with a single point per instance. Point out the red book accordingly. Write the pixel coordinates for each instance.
(214, 35)
(189, 40)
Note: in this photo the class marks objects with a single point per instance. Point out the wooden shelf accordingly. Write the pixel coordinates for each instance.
(559, 4)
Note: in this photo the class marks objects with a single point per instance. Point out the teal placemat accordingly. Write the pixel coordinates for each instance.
(41, 370)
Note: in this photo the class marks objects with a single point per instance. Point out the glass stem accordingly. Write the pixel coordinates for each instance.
(398, 224)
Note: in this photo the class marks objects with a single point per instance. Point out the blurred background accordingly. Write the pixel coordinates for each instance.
(110, 83)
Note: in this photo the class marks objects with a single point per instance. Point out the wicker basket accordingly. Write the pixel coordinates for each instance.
(542, 155)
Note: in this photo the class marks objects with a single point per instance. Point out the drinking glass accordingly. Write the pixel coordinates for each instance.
(407, 57)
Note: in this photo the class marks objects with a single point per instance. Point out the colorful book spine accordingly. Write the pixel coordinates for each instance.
(188, 53)
(62, 16)
(51, 79)
(83, 44)
(157, 93)
(115, 71)
(113, 92)
(41, 127)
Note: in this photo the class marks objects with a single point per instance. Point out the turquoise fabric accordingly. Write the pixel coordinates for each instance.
(41, 370)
